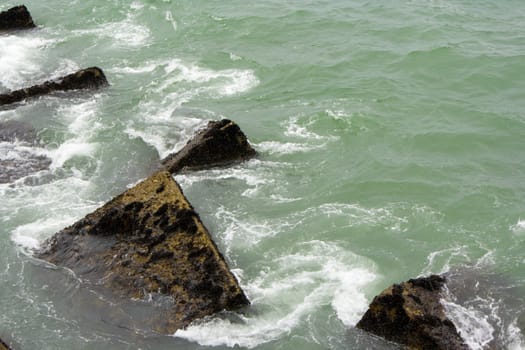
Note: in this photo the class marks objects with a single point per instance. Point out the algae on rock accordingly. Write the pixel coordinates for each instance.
(149, 240)
(411, 313)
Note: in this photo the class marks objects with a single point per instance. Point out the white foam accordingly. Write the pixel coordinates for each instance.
(69, 150)
(299, 129)
(177, 83)
(20, 58)
(30, 235)
(169, 18)
(147, 68)
(253, 173)
(124, 33)
(473, 325)
(515, 340)
(224, 82)
(82, 125)
(518, 228)
(19, 151)
(440, 261)
(166, 134)
(275, 147)
(287, 292)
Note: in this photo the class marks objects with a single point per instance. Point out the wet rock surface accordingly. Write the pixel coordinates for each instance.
(17, 17)
(411, 313)
(220, 143)
(89, 78)
(19, 155)
(149, 241)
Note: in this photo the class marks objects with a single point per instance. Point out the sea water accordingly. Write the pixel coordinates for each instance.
(390, 137)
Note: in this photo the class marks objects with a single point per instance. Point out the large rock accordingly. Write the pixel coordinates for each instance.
(149, 240)
(17, 17)
(220, 143)
(19, 152)
(411, 313)
(89, 78)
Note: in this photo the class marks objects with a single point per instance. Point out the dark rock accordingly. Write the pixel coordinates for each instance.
(19, 159)
(411, 313)
(17, 17)
(89, 78)
(147, 241)
(220, 143)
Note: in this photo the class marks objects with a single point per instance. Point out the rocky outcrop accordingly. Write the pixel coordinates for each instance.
(220, 143)
(18, 142)
(149, 240)
(89, 78)
(411, 313)
(17, 17)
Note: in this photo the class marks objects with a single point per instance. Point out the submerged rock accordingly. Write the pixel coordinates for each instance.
(411, 313)
(149, 240)
(19, 155)
(89, 78)
(220, 143)
(17, 17)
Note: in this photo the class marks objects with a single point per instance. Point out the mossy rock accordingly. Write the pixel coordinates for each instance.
(149, 240)
(411, 314)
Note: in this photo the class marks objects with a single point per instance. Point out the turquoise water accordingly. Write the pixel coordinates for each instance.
(390, 139)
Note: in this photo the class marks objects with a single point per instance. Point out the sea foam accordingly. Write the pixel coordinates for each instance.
(289, 289)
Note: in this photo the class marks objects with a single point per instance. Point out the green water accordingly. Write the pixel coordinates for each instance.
(390, 139)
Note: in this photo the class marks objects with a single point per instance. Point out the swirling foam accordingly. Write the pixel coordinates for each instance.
(286, 292)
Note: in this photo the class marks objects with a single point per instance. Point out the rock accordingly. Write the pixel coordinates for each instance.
(89, 78)
(17, 17)
(149, 240)
(411, 313)
(3, 345)
(220, 143)
(18, 155)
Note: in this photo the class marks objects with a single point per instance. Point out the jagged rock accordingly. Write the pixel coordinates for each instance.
(17, 17)
(89, 78)
(410, 313)
(220, 143)
(19, 156)
(149, 240)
